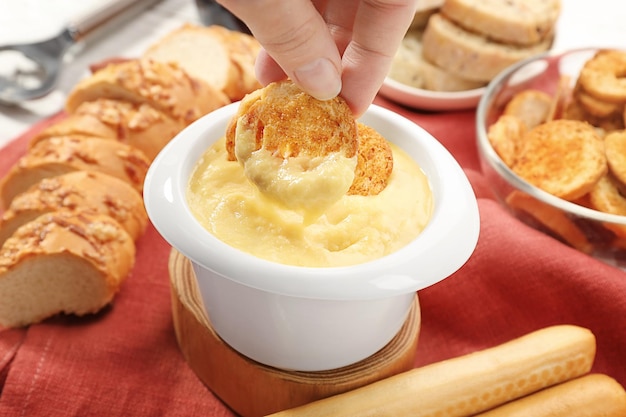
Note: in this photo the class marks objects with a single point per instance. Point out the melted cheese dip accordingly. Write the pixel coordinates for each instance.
(353, 230)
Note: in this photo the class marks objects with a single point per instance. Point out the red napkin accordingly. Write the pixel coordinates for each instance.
(125, 360)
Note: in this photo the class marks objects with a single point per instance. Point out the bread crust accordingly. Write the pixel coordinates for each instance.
(289, 122)
(80, 190)
(505, 136)
(469, 55)
(164, 86)
(59, 155)
(374, 163)
(135, 124)
(62, 262)
(518, 22)
(565, 158)
(220, 57)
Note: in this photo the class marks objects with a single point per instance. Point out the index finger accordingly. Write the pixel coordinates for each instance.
(378, 30)
(295, 35)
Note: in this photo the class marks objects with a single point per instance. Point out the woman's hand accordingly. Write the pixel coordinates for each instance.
(327, 47)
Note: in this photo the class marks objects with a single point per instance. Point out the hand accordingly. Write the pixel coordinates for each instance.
(327, 47)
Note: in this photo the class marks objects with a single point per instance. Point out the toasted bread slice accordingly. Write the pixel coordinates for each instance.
(551, 219)
(531, 106)
(374, 163)
(505, 135)
(289, 122)
(605, 197)
(603, 76)
(615, 147)
(563, 157)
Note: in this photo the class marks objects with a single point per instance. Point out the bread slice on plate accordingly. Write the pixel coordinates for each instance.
(79, 190)
(136, 124)
(410, 68)
(518, 22)
(220, 57)
(470, 55)
(164, 86)
(60, 155)
(62, 262)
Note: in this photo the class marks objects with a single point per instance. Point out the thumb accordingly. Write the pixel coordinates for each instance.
(296, 37)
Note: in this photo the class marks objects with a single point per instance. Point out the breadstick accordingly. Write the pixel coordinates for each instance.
(587, 396)
(468, 384)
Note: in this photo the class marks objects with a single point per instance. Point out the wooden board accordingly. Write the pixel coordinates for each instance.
(252, 389)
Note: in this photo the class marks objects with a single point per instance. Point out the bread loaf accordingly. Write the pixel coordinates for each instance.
(79, 190)
(588, 396)
(59, 155)
(62, 262)
(164, 86)
(518, 22)
(221, 58)
(470, 55)
(135, 124)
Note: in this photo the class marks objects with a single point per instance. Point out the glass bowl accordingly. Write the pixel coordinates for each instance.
(598, 234)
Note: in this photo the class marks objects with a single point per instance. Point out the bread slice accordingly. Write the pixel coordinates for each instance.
(374, 162)
(164, 86)
(518, 22)
(60, 155)
(470, 55)
(62, 262)
(79, 190)
(565, 158)
(136, 124)
(222, 58)
(410, 68)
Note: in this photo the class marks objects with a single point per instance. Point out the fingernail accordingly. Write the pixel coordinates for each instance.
(320, 78)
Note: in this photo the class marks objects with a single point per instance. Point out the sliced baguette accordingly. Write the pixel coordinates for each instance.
(79, 190)
(136, 124)
(164, 86)
(60, 155)
(519, 22)
(62, 262)
(221, 58)
(410, 68)
(470, 55)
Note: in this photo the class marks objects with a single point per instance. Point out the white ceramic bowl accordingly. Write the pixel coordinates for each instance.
(313, 319)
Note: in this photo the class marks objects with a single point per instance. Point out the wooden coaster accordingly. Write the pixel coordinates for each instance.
(252, 389)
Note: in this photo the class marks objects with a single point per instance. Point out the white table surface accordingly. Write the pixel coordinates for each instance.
(582, 23)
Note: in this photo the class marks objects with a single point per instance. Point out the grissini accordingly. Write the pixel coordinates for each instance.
(587, 396)
(468, 384)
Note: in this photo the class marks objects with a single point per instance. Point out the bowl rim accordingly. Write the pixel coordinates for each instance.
(502, 169)
(453, 226)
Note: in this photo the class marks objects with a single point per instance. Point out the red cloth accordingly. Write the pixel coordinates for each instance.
(125, 360)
